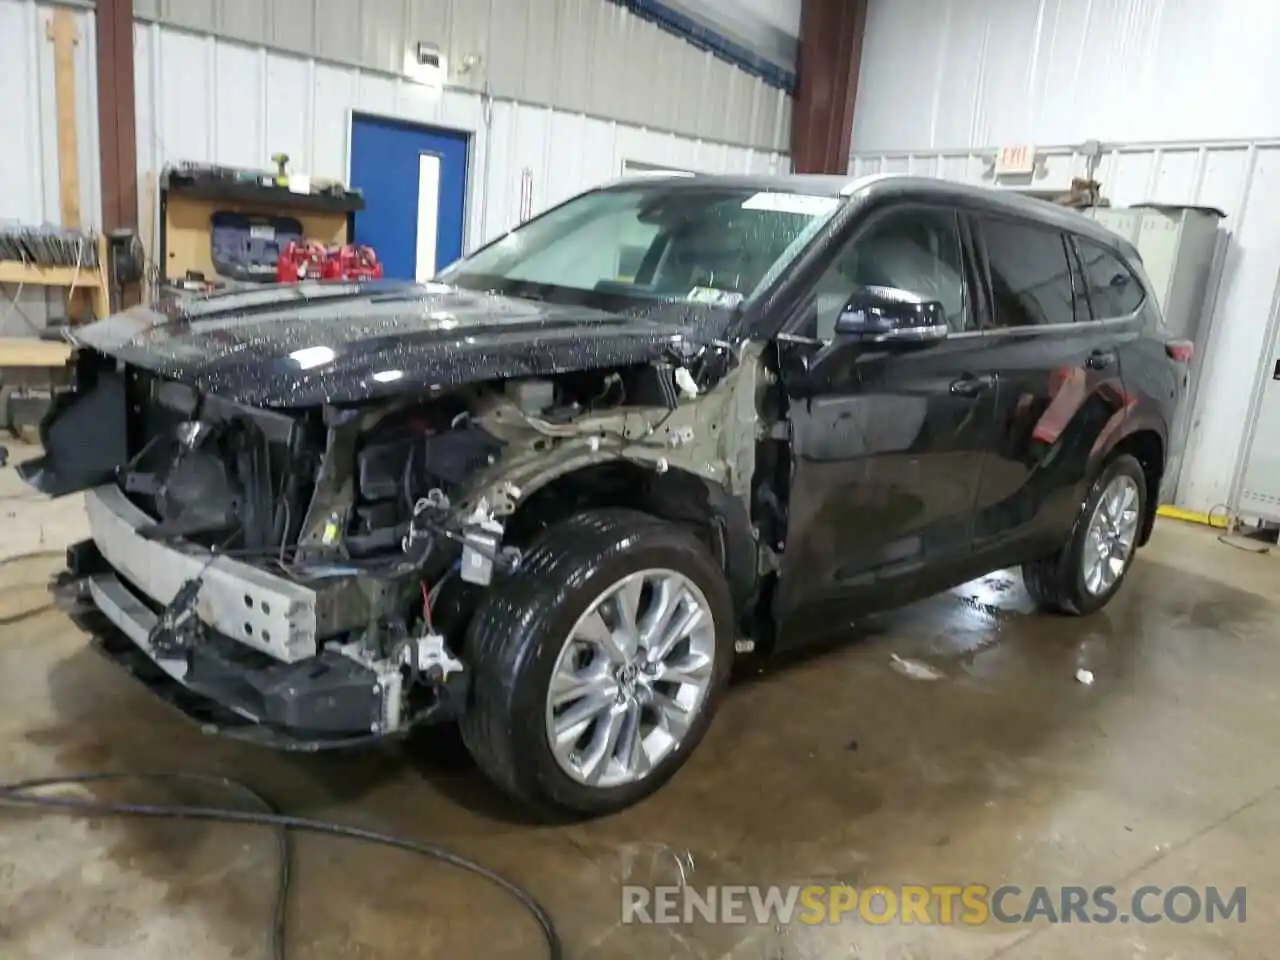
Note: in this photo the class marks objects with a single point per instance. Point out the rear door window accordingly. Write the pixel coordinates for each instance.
(1113, 289)
(1030, 274)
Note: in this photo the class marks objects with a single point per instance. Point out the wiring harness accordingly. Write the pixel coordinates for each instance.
(34, 795)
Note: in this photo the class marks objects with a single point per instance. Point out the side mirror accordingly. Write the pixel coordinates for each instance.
(889, 315)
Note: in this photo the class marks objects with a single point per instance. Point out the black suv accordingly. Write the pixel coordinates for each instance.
(551, 494)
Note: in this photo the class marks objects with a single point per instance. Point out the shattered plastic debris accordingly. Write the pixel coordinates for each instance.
(1085, 676)
(685, 381)
(651, 862)
(915, 669)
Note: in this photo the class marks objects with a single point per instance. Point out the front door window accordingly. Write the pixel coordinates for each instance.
(915, 250)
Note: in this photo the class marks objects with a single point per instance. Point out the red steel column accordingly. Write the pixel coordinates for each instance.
(827, 84)
(118, 144)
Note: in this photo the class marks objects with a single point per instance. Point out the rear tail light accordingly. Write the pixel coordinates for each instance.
(1180, 351)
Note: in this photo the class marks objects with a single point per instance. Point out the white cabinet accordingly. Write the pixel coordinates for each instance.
(1260, 485)
(1179, 249)
(1177, 246)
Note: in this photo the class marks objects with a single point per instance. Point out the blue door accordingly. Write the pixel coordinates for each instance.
(414, 181)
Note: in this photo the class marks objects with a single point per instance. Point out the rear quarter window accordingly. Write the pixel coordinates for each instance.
(1113, 289)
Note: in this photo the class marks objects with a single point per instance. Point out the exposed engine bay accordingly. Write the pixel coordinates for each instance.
(312, 551)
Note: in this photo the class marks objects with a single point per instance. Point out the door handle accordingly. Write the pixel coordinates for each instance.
(971, 386)
(1101, 359)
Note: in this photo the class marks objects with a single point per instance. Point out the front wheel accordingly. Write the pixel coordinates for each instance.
(1087, 572)
(598, 665)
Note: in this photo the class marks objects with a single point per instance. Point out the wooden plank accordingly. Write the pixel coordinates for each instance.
(87, 279)
(63, 33)
(30, 352)
(100, 295)
(13, 271)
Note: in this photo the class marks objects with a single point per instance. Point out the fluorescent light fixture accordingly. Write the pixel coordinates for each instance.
(309, 357)
(800, 203)
(388, 376)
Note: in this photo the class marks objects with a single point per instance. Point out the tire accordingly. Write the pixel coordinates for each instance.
(515, 643)
(1060, 583)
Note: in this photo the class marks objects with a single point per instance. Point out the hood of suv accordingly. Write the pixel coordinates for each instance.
(313, 343)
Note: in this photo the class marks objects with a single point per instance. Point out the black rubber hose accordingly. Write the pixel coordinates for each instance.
(17, 795)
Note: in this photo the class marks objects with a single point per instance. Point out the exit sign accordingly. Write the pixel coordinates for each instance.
(1014, 160)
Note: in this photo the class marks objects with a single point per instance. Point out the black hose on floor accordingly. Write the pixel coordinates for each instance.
(20, 795)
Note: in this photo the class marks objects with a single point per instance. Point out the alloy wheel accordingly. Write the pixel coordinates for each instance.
(630, 679)
(1112, 532)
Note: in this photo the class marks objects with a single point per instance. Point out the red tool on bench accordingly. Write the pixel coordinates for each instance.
(301, 260)
(352, 262)
(309, 260)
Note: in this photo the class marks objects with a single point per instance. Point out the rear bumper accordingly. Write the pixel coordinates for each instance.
(255, 671)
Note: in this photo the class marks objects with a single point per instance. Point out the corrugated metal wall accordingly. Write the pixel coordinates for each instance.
(1178, 92)
(955, 73)
(768, 29)
(205, 98)
(29, 160)
(580, 56)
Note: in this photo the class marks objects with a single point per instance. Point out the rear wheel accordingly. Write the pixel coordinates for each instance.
(1087, 572)
(598, 665)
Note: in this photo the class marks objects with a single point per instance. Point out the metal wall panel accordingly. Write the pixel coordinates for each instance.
(192, 14)
(1240, 177)
(206, 99)
(769, 28)
(381, 36)
(292, 25)
(339, 24)
(469, 29)
(525, 32)
(29, 164)
(945, 74)
(573, 74)
(242, 20)
(587, 56)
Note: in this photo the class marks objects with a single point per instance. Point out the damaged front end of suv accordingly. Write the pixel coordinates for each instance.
(298, 498)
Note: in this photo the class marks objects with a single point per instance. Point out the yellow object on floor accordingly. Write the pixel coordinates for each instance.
(1191, 516)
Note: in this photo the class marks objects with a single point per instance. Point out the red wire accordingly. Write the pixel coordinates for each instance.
(426, 607)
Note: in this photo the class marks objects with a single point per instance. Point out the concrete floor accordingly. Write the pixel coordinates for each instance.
(831, 768)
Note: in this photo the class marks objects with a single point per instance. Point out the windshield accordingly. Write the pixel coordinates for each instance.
(713, 245)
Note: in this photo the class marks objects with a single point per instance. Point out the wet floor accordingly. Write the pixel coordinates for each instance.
(836, 767)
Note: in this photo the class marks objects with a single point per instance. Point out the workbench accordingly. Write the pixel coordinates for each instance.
(90, 279)
(189, 199)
